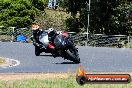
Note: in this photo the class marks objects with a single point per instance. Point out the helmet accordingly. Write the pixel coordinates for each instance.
(35, 26)
(52, 32)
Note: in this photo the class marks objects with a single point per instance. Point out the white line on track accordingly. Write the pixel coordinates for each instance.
(9, 63)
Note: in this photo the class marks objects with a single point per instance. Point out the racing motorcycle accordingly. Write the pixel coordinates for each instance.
(63, 45)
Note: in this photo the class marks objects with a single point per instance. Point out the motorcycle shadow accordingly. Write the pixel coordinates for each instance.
(46, 55)
(49, 55)
(66, 63)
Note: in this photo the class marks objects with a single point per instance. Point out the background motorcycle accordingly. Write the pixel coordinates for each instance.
(63, 46)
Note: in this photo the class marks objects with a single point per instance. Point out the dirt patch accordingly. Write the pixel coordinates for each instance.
(24, 76)
(5, 38)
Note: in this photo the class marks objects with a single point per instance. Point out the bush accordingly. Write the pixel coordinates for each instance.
(18, 13)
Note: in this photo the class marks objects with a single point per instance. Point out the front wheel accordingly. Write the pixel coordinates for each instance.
(71, 56)
(37, 51)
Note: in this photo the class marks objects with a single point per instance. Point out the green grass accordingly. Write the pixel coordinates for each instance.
(128, 45)
(56, 83)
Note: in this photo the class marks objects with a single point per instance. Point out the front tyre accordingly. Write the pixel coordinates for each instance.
(71, 56)
(37, 51)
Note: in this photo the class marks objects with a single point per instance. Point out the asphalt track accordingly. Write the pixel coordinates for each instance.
(93, 59)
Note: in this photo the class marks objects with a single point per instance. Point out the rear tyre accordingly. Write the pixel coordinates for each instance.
(72, 57)
(37, 51)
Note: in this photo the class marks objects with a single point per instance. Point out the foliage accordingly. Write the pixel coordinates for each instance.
(122, 19)
(100, 16)
(104, 15)
(52, 18)
(61, 3)
(72, 24)
(18, 13)
(73, 6)
(39, 4)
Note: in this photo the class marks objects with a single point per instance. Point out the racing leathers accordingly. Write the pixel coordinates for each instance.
(35, 37)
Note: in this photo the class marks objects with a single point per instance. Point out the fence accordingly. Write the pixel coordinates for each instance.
(102, 40)
(98, 40)
(10, 34)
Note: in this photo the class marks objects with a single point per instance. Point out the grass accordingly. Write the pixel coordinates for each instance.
(130, 44)
(69, 82)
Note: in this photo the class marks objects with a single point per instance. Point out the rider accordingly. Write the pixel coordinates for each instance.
(36, 33)
(52, 34)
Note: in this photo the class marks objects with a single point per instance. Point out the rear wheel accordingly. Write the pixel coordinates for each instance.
(71, 56)
(37, 51)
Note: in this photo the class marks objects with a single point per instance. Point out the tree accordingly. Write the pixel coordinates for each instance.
(73, 7)
(100, 16)
(18, 13)
(122, 19)
(103, 15)
(73, 24)
(39, 4)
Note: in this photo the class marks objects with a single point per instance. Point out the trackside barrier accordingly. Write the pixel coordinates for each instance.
(102, 40)
(12, 34)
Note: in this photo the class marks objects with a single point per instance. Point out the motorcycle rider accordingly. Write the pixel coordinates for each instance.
(36, 32)
(52, 33)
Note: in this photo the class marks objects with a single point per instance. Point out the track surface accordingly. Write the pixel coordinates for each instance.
(93, 59)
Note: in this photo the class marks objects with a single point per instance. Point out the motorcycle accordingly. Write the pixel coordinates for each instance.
(63, 46)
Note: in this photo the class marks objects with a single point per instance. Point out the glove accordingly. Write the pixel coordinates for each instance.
(40, 45)
(36, 44)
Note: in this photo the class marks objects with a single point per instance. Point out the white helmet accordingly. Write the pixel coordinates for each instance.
(51, 29)
(51, 32)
